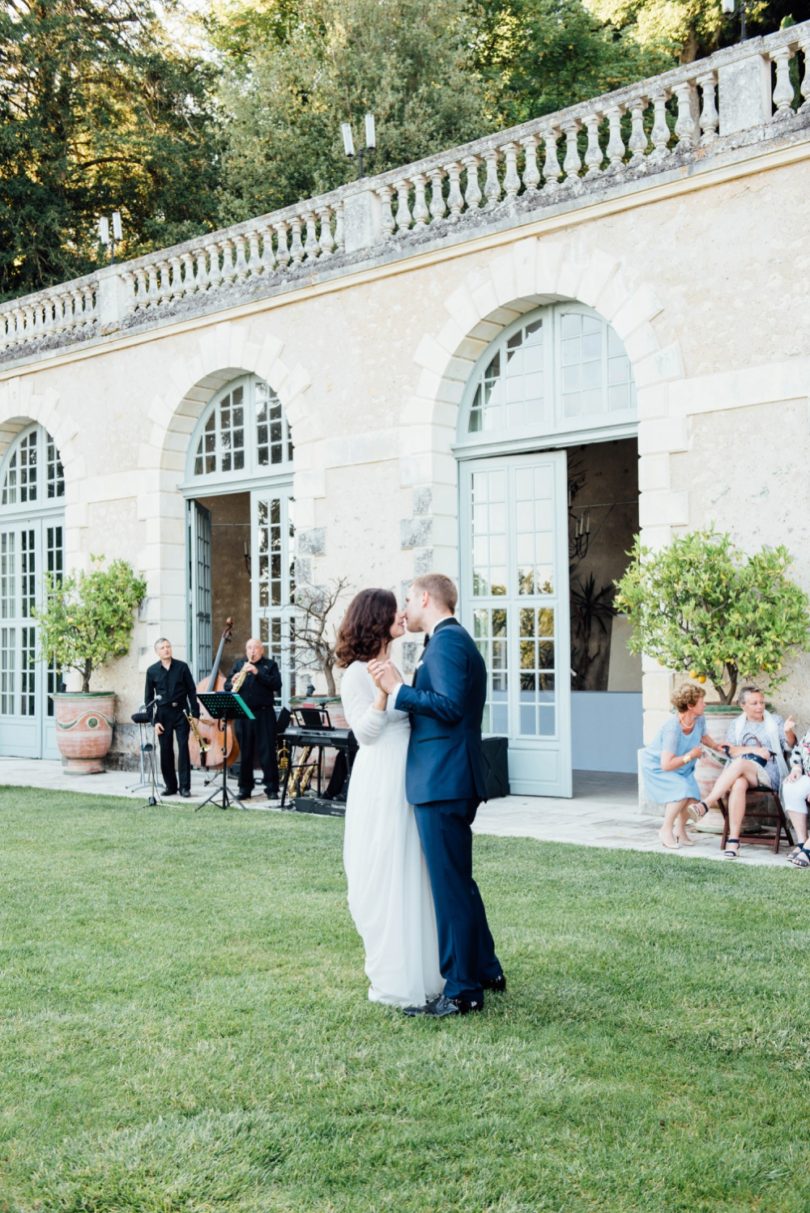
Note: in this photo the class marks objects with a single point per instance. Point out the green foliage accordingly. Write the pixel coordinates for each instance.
(88, 618)
(406, 60)
(702, 605)
(98, 112)
(690, 29)
(538, 56)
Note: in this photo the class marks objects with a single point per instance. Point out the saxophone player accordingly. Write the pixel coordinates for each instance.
(170, 693)
(258, 681)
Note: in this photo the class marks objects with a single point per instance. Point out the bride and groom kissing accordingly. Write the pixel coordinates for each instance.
(416, 784)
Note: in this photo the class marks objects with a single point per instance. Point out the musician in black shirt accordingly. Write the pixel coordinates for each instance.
(257, 738)
(170, 693)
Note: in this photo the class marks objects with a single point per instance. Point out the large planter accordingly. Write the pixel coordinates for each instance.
(84, 729)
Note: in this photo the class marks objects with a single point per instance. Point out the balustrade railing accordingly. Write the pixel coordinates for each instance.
(634, 130)
(746, 92)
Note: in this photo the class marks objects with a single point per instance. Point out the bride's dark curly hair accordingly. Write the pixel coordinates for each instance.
(366, 626)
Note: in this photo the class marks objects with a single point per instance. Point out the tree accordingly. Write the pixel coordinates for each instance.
(329, 61)
(314, 636)
(702, 605)
(87, 619)
(691, 29)
(538, 56)
(97, 113)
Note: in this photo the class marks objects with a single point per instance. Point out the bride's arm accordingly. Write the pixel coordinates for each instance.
(364, 706)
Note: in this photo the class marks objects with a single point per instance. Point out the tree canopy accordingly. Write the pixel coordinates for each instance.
(331, 61)
(97, 113)
(103, 108)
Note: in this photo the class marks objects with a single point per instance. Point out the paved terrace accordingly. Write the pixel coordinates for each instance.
(604, 811)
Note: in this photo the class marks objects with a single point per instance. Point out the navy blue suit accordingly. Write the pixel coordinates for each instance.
(445, 784)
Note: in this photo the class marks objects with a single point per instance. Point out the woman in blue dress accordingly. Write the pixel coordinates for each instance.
(668, 763)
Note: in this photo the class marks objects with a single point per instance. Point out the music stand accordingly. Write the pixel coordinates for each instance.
(224, 706)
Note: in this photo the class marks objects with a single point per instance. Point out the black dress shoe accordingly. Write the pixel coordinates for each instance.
(185, 793)
(496, 984)
(440, 1007)
(272, 793)
(168, 791)
(244, 794)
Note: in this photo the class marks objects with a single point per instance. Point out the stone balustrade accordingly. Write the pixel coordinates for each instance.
(628, 133)
(742, 95)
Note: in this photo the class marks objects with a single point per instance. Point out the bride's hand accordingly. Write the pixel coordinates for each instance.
(386, 676)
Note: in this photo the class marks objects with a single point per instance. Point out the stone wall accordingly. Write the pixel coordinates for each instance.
(705, 281)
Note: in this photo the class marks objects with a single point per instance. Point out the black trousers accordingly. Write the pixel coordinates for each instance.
(174, 726)
(257, 747)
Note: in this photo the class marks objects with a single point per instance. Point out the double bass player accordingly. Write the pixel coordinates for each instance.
(169, 695)
(258, 681)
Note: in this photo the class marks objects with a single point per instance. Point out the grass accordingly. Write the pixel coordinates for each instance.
(183, 1027)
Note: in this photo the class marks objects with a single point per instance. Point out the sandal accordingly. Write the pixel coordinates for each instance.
(728, 853)
(696, 813)
(800, 858)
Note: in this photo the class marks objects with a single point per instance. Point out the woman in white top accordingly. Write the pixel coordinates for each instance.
(389, 892)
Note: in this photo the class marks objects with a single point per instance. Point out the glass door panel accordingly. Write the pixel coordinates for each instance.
(515, 603)
(26, 711)
(199, 586)
(273, 583)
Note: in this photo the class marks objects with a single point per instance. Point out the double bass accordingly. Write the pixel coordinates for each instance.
(206, 740)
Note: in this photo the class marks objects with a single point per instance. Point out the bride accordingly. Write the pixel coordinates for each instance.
(389, 892)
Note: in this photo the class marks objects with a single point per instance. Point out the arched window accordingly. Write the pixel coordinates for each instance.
(558, 370)
(244, 432)
(32, 472)
(558, 377)
(240, 519)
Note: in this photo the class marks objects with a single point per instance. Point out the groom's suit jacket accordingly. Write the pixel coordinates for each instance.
(445, 704)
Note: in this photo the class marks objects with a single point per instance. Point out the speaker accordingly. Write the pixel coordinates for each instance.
(496, 764)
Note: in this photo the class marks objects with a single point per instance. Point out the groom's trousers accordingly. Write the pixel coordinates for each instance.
(466, 948)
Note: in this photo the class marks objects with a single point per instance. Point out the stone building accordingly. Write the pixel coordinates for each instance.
(499, 362)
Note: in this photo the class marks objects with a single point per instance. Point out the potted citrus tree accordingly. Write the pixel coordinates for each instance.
(87, 620)
(703, 606)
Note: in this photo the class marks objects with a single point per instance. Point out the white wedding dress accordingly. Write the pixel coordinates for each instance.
(389, 891)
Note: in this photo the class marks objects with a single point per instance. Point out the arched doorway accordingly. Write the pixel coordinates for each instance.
(548, 506)
(32, 492)
(238, 490)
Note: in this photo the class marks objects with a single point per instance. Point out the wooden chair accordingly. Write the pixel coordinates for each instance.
(764, 820)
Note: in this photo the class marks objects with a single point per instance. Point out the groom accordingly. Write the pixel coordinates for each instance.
(445, 784)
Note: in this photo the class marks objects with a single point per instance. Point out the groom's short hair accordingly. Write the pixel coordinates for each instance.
(440, 588)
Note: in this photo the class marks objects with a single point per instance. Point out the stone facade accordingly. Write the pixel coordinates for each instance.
(698, 258)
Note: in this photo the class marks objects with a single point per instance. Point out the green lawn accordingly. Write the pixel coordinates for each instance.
(185, 1027)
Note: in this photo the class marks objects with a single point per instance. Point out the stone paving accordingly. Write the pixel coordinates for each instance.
(604, 811)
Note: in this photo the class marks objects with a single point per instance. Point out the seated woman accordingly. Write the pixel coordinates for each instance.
(668, 763)
(756, 742)
(795, 793)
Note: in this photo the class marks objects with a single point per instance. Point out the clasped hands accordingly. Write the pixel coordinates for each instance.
(386, 676)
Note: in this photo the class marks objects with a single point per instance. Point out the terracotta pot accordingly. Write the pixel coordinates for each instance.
(84, 729)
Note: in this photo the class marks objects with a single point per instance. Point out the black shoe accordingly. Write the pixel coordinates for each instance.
(168, 791)
(441, 1007)
(496, 984)
(272, 793)
(185, 793)
(244, 794)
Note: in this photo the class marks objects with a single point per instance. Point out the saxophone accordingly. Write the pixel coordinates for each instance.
(236, 683)
(302, 774)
